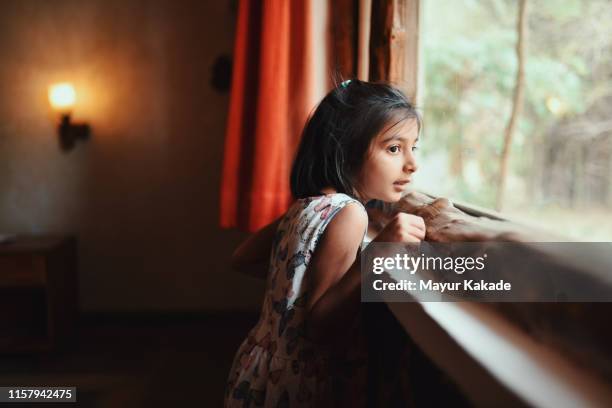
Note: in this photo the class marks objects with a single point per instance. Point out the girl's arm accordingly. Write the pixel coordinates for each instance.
(335, 269)
(334, 276)
(252, 257)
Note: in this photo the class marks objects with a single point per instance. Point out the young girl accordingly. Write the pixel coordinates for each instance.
(307, 349)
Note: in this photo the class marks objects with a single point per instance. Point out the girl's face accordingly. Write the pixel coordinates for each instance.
(389, 162)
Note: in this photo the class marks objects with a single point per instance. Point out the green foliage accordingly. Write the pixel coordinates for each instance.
(469, 64)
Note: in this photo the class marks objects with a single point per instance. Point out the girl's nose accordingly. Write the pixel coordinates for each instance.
(410, 164)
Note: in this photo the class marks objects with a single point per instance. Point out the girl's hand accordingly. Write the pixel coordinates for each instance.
(403, 227)
(253, 255)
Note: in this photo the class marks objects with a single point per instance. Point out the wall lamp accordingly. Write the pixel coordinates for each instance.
(62, 98)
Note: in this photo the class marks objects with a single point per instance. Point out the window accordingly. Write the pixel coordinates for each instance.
(560, 162)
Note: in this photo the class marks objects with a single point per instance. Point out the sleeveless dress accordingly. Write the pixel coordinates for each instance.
(276, 365)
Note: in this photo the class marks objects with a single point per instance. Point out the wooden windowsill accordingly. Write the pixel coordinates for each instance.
(494, 362)
(542, 354)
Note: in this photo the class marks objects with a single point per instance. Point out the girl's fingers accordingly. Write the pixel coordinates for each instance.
(419, 233)
(418, 222)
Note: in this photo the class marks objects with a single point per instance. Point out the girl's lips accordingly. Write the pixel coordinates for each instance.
(400, 185)
(402, 182)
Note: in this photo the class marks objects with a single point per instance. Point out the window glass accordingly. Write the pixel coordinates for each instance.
(560, 162)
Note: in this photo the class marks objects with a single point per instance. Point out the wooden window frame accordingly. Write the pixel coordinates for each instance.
(562, 349)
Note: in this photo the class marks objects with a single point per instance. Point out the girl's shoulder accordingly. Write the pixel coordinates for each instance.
(341, 217)
(325, 206)
(318, 211)
(308, 218)
(332, 199)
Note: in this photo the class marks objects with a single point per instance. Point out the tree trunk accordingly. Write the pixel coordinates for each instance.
(517, 102)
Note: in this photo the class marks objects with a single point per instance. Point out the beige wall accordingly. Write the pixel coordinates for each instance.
(142, 194)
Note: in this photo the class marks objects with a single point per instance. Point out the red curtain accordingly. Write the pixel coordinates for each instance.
(264, 111)
(280, 72)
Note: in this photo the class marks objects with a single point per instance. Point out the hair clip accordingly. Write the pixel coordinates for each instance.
(346, 83)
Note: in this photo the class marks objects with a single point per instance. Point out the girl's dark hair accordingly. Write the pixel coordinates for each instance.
(337, 136)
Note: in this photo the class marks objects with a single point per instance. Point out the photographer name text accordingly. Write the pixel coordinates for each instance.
(430, 285)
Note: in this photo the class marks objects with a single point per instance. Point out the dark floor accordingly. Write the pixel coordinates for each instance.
(138, 361)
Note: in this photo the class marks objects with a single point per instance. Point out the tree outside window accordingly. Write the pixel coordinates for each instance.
(560, 157)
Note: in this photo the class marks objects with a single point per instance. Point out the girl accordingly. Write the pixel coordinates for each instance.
(306, 349)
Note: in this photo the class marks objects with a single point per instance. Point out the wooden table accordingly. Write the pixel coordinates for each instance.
(38, 292)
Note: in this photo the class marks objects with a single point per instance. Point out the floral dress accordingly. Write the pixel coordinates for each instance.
(276, 365)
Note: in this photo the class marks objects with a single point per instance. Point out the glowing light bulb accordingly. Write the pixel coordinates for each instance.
(62, 96)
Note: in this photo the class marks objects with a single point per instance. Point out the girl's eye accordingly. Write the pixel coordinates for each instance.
(394, 149)
(415, 148)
